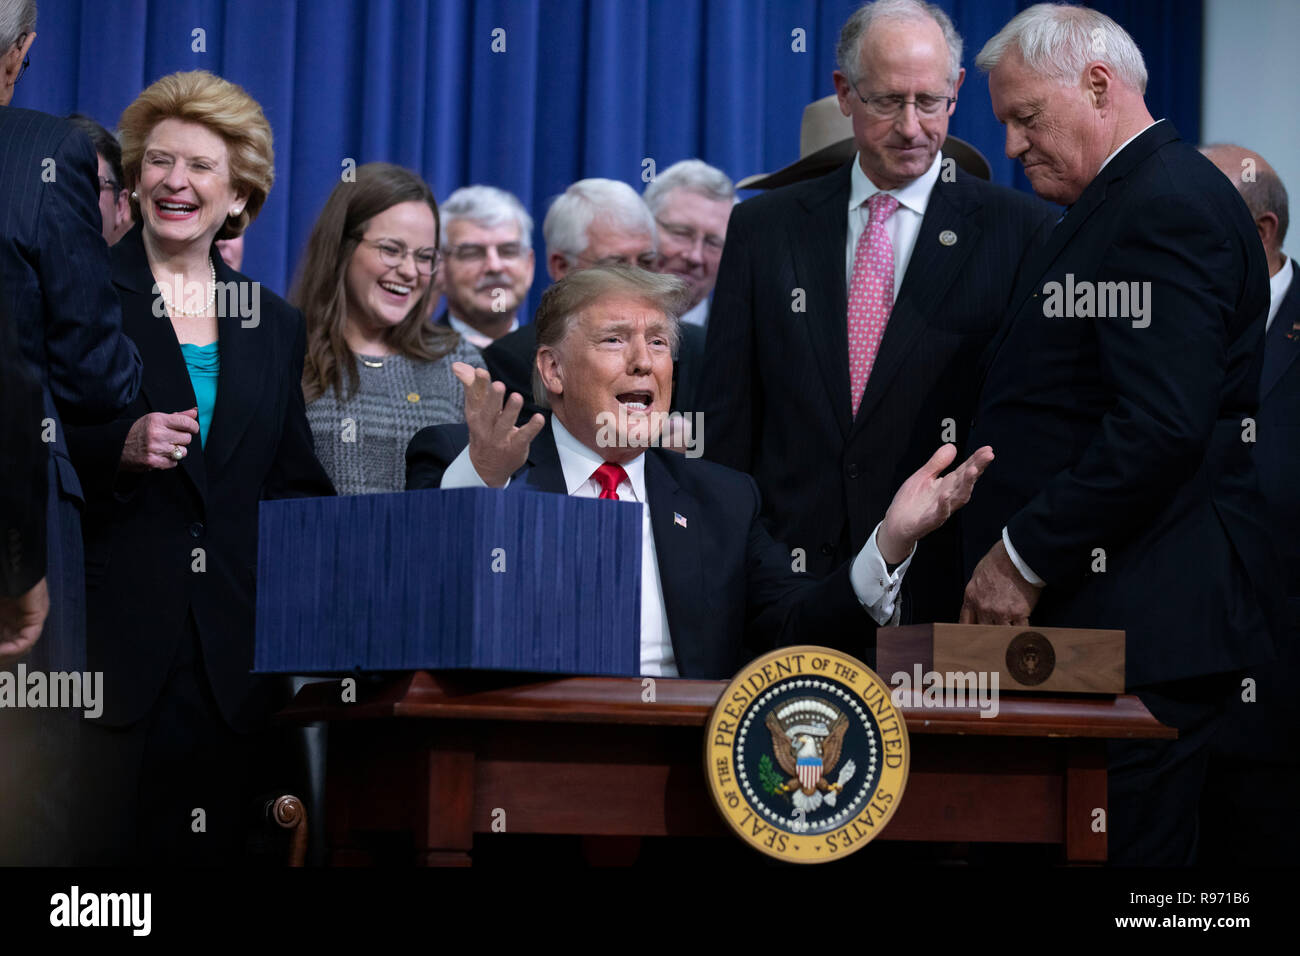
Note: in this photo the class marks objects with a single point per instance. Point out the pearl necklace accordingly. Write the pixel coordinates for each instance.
(212, 296)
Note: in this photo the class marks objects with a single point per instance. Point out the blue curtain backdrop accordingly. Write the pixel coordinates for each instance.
(582, 87)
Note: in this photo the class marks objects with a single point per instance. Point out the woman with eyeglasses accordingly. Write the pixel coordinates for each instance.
(377, 370)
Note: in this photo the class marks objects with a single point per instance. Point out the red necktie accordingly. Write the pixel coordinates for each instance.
(608, 476)
(871, 294)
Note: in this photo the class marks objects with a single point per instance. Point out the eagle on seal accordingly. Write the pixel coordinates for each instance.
(807, 760)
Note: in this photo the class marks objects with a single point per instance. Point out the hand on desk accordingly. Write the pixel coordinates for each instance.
(997, 592)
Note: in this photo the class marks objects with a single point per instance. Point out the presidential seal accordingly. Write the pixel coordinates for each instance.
(806, 755)
(1031, 658)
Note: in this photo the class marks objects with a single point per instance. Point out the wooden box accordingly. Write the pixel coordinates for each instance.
(1046, 660)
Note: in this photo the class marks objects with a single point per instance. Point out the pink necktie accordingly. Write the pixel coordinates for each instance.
(609, 476)
(871, 294)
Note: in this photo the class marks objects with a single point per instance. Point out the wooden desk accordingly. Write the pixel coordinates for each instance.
(439, 757)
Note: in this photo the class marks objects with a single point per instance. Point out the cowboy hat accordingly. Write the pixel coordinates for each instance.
(826, 143)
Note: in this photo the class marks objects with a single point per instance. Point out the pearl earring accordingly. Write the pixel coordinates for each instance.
(135, 195)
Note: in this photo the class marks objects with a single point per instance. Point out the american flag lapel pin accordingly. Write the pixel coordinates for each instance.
(678, 519)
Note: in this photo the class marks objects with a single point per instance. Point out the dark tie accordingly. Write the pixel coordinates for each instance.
(609, 476)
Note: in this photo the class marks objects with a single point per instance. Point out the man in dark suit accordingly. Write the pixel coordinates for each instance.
(55, 280)
(823, 384)
(1118, 396)
(1247, 811)
(487, 266)
(715, 587)
(595, 222)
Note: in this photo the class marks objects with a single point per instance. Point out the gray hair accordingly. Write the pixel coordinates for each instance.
(613, 202)
(16, 18)
(488, 207)
(578, 291)
(693, 174)
(848, 52)
(1057, 41)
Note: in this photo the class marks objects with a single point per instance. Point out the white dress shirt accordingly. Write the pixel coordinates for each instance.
(697, 314)
(1277, 289)
(875, 587)
(473, 336)
(903, 226)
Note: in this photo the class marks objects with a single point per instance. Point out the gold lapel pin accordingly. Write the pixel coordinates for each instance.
(948, 238)
(412, 396)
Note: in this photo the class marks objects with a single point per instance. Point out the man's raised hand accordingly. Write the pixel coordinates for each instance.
(497, 448)
(926, 500)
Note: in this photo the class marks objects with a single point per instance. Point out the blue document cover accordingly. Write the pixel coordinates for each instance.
(464, 578)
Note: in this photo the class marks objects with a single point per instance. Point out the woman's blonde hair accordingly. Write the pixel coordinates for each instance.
(222, 107)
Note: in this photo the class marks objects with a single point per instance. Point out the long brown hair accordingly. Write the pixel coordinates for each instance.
(321, 290)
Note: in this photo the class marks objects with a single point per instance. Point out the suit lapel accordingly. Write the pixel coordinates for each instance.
(681, 568)
(930, 273)
(166, 384)
(246, 370)
(544, 472)
(1089, 201)
(817, 242)
(1279, 350)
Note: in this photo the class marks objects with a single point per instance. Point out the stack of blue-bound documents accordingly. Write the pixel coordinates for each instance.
(465, 578)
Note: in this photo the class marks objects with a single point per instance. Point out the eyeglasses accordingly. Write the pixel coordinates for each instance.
(393, 253)
(647, 261)
(889, 105)
(474, 253)
(690, 235)
(27, 60)
(109, 184)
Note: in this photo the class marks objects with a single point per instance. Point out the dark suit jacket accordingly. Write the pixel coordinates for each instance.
(142, 530)
(728, 587)
(1277, 447)
(1131, 439)
(54, 277)
(23, 483)
(776, 400)
(510, 360)
(1268, 728)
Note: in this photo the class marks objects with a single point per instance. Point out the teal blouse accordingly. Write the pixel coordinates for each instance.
(203, 362)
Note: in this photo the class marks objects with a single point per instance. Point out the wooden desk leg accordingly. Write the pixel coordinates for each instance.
(444, 829)
(1085, 793)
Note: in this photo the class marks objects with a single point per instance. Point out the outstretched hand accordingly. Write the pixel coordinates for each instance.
(926, 500)
(497, 447)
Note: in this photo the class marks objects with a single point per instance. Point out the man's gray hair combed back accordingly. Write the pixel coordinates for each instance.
(848, 52)
(488, 207)
(611, 201)
(578, 291)
(1057, 41)
(16, 18)
(693, 174)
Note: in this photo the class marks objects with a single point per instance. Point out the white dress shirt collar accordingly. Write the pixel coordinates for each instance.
(914, 195)
(1277, 288)
(1123, 144)
(579, 462)
(472, 335)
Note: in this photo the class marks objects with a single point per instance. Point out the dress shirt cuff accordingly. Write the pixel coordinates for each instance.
(461, 474)
(877, 589)
(1025, 570)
